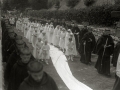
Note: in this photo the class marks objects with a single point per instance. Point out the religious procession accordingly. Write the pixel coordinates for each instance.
(73, 49)
(43, 35)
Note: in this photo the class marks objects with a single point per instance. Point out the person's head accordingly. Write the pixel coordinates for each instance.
(20, 44)
(85, 24)
(90, 29)
(106, 32)
(12, 35)
(35, 70)
(25, 55)
(69, 30)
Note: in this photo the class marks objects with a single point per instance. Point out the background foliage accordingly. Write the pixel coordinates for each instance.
(96, 15)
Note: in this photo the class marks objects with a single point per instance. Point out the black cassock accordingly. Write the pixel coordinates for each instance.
(86, 47)
(103, 62)
(14, 57)
(116, 54)
(76, 32)
(117, 84)
(82, 32)
(46, 83)
(18, 74)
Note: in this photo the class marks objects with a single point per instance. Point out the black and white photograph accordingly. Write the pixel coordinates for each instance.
(59, 44)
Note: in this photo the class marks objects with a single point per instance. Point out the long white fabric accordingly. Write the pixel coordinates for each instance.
(60, 63)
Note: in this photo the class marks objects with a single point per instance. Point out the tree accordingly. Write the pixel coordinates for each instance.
(5, 5)
(72, 3)
(18, 4)
(38, 4)
(89, 2)
(117, 1)
(57, 4)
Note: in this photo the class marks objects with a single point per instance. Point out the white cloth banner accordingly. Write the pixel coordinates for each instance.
(60, 63)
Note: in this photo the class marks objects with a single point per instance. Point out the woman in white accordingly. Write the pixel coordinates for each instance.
(67, 38)
(58, 36)
(44, 37)
(54, 35)
(45, 52)
(37, 49)
(51, 30)
(62, 40)
(46, 27)
(35, 36)
(29, 33)
(70, 49)
(74, 49)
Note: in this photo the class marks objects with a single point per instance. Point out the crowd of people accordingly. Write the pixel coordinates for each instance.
(67, 36)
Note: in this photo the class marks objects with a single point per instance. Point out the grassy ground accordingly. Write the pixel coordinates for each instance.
(86, 74)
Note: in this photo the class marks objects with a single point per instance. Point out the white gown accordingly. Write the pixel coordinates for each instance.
(62, 39)
(54, 35)
(37, 50)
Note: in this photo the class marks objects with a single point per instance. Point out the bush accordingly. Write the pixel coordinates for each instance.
(96, 15)
(89, 2)
(72, 3)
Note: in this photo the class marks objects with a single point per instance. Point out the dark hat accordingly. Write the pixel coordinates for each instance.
(25, 51)
(20, 42)
(35, 67)
(18, 37)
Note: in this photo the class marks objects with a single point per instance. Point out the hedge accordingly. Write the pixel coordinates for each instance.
(95, 15)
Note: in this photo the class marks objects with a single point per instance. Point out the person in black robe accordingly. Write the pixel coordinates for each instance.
(76, 32)
(14, 57)
(104, 48)
(115, 54)
(7, 45)
(87, 46)
(83, 31)
(37, 79)
(19, 70)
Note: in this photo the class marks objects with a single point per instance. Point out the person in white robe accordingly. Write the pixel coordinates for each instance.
(34, 36)
(75, 53)
(70, 49)
(67, 38)
(62, 39)
(43, 37)
(58, 37)
(29, 33)
(37, 49)
(45, 52)
(55, 35)
(51, 30)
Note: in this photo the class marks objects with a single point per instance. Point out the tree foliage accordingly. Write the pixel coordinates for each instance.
(18, 4)
(57, 4)
(5, 5)
(117, 1)
(89, 2)
(72, 3)
(38, 4)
